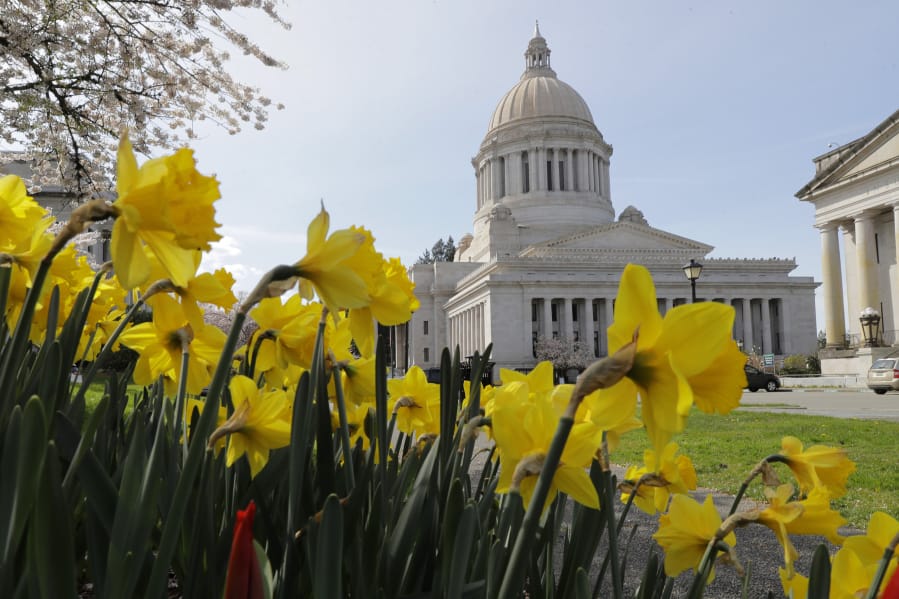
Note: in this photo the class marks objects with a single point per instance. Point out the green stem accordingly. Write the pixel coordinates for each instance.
(754, 473)
(703, 570)
(515, 572)
(179, 402)
(609, 500)
(344, 431)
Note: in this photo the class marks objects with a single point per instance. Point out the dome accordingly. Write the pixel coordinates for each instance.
(540, 94)
(540, 97)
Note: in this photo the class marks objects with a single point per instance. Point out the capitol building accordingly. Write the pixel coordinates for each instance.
(546, 249)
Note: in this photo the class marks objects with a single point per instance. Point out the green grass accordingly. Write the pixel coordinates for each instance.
(95, 392)
(725, 448)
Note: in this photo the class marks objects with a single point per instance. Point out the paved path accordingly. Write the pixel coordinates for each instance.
(842, 403)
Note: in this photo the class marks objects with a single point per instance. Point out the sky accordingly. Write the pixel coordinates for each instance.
(714, 109)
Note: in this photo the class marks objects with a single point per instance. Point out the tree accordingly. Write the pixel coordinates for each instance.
(564, 353)
(441, 251)
(74, 74)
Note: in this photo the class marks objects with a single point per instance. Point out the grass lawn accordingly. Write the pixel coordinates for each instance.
(95, 392)
(725, 448)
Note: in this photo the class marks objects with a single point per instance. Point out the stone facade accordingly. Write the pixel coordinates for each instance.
(855, 192)
(546, 253)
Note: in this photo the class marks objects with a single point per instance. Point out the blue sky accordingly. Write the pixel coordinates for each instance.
(714, 109)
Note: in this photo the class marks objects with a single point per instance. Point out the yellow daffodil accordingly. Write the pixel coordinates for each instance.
(415, 402)
(673, 355)
(780, 512)
(818, 466)
(20, 216)
(849, 579)
(159, 344)
(685, 531)
(257, 426)
(325, 268)
(523, 427)
(882, 529)
(662, 475)
(286, 334)
(818, 518)
(392, 297)
(167, 205)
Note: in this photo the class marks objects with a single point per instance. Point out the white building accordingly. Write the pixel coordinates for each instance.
(855, 192)
(546, 253)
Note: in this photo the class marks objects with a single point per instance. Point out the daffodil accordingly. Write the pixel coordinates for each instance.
(257, 426)
(849, 579)
(325, 271)
(662, 476)
(685, 532)
(167, 205)
(160, 343)
(415, 402)
(818, 466)
(882, 529)
(674, 354)
(286, 334)
(391, 292)
(523, 428)
(20, 215)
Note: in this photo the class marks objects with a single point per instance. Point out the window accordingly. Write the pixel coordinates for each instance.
(525, 173)
(595, 311)
(574, 312)
(549, 175)
(561, 175)
(425, 327)
(553, 309)
(535, 315)
(502, 177)
(427, 354)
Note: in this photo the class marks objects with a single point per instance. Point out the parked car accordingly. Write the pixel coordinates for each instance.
(757, 379)
(883, 375)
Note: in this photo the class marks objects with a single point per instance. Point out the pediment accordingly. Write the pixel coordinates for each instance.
(875, 151)
(624, 236)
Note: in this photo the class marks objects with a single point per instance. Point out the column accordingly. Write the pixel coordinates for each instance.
(832, 286)
(532, 169)
(570, 183)
(609, 310)
(565, 322)
(540, 167)
(582, 170)
(766, 327)
(588, 325)
(866, 261)
(606, 185)
(547, 318)
(747, 325)
(589, 171)
(477, 187)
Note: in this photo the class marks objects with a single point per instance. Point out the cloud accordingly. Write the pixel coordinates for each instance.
(224, 254)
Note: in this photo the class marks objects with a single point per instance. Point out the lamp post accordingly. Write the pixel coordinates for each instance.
(692, 272)
(870, 319)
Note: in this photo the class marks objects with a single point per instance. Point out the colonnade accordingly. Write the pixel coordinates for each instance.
(862, 258)
(542, 169)
(761, 324)
(467, 329)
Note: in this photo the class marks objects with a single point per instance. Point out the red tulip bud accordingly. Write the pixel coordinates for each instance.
(244, 580)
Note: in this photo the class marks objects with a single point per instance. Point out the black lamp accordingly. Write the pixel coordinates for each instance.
(870, 319)
(692, 272)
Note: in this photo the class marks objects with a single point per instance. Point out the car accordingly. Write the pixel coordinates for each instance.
(758, 379)
(883, 375)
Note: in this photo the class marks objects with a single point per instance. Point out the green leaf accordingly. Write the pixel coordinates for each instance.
(819, 574)
(268, 581)
(51, 536)
(22, 464)
(581, 585)
(329, 551)
(461, 555)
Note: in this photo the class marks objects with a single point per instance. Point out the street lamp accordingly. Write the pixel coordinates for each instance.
(692, 272)
(870, 319)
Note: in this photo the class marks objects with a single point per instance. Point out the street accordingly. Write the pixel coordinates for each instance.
(861, 403)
